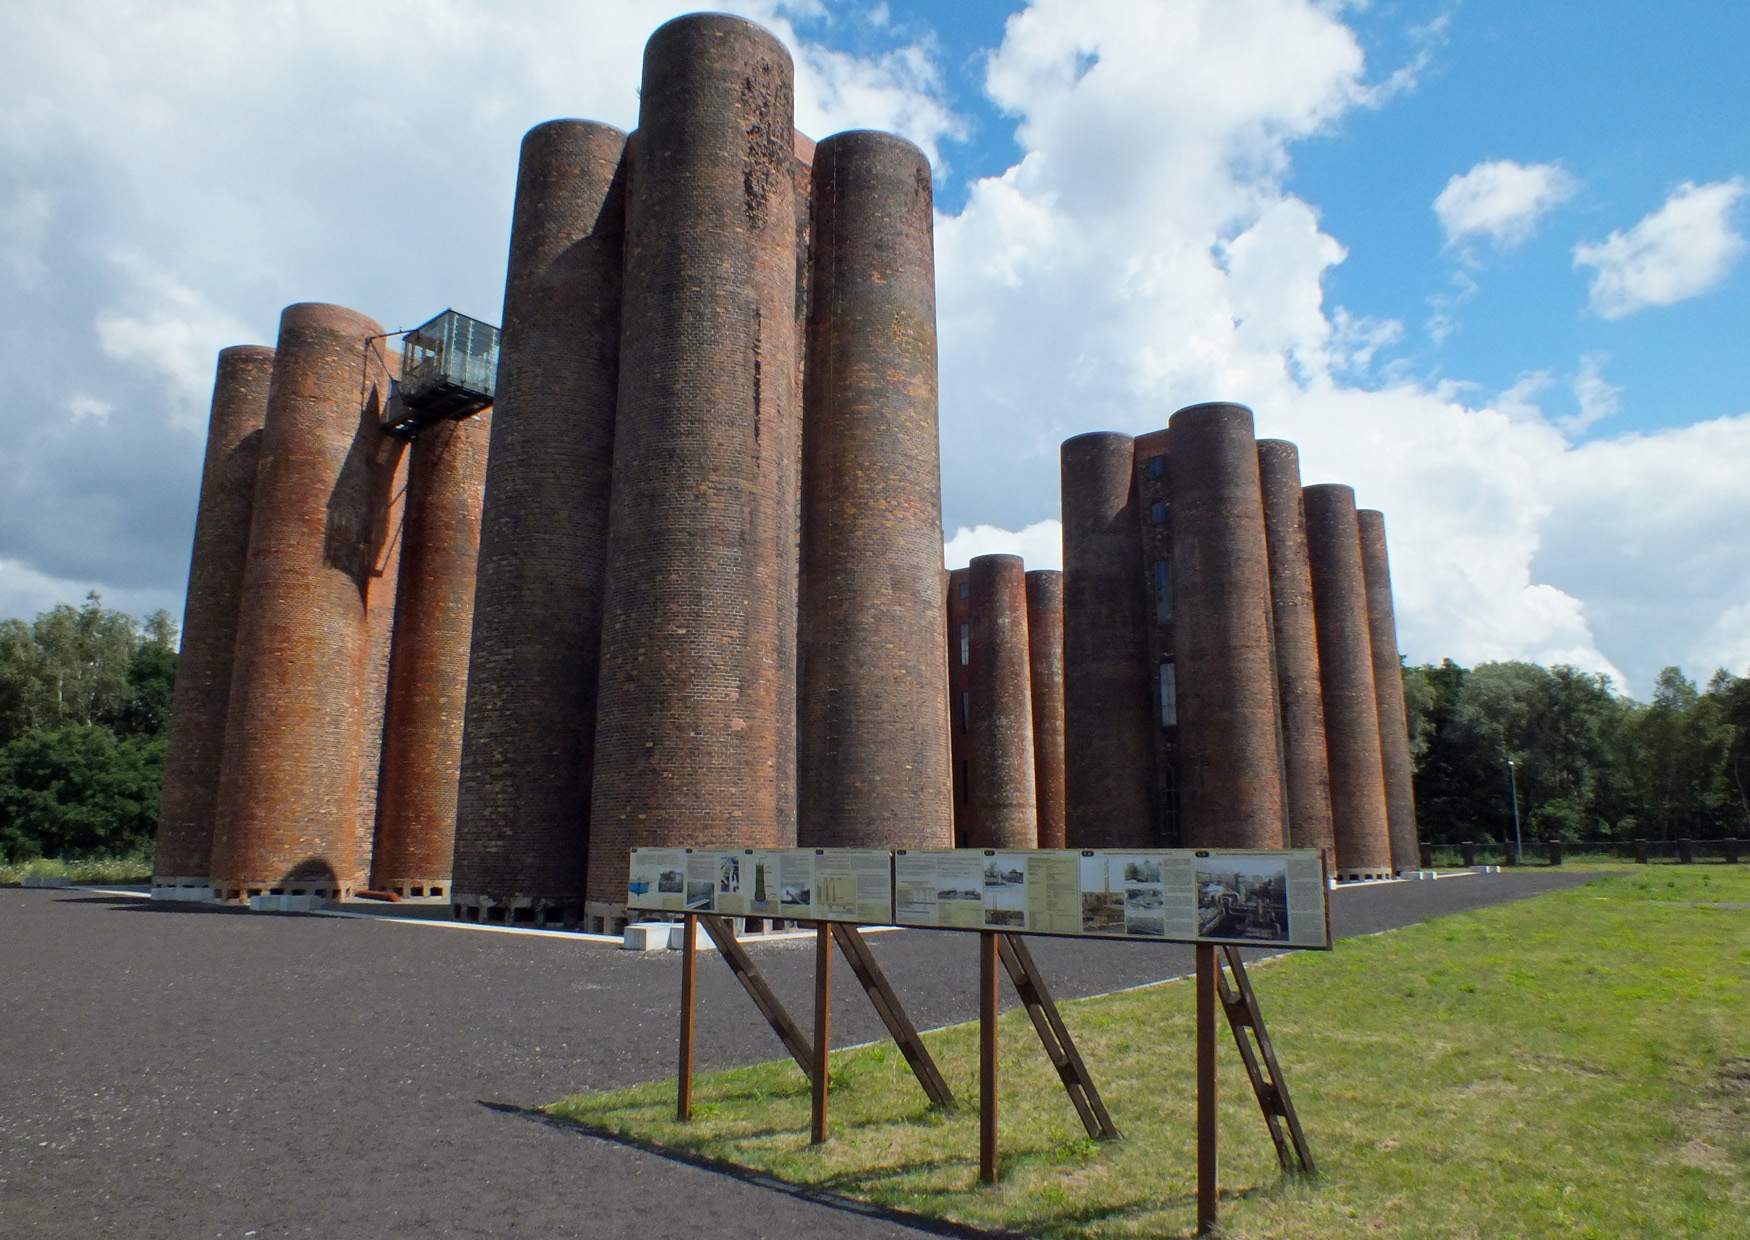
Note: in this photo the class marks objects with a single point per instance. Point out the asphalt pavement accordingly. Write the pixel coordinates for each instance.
(184, 1071)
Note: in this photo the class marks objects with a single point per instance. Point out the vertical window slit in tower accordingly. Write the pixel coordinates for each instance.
(1163, 591)
(965, 644)
(965, 711)
(1169, 696)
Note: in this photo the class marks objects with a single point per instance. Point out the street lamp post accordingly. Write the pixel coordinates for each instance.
(1513, 789)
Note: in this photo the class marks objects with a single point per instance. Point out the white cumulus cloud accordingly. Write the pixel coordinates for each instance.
(1501, 200)
(1680, 251)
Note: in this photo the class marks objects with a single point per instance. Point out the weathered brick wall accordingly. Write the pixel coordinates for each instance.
(1230, 764)
(1346, 678)
(1297, 650)
(1045, 682)
(873, 756)
(523, 802)
(959, 609)
(1154, 578)
(1388, 688)
(288, 806)
(428, 669)
(1001, 731)
(692, 729)
(196, 744)
(1108, 745)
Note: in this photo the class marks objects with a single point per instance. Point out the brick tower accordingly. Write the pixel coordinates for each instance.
(1230, 766)
(1388, 688)
(288, 804)
(1108, 746)
(428, 669)
(1346, 678)
(1155, 577)
(1297, 651)
(694, 718)
(196, 744)
(522, 807)
(872, 760)
(1001, 730)
(960, 701)
(1045, 667)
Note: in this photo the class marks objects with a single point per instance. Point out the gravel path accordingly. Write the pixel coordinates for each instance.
(173, 1071)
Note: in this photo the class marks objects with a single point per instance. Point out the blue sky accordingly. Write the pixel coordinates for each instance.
(1543, 380)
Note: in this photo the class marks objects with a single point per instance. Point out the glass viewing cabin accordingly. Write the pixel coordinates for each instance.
(449, 368)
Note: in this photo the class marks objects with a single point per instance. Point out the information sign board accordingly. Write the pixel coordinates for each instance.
(797, 884)
(1253, 896)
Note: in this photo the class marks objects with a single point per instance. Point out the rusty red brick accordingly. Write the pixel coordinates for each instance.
(1108, 741)
(1154, 577)
(288, 804)
(1388, 688)
(694, 725)
(1045, 670)
(522, 806)
(873, 755)
(1346, 679)
(959, 611)
(428, 669)
(1297, 650)
(1001, 731)
(195, 748)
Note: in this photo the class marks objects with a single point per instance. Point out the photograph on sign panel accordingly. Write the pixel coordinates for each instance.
(1242, 898)
(1005, 893)
(765, 879)
(671, 882)
(1145, 910)
(729, 875)
(699, 894)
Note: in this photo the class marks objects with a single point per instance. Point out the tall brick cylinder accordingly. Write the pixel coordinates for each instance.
(1230, 762)
(960, 700)
(428, 668)
(1297, 651)
(1001, 730)
(1346, 679)
(528, 741)
(872, 743)
(1107, 739)
(693, 722)
(196, 744)
(288, 805)
(388, 505)
(1045, 681)
(1388, 690)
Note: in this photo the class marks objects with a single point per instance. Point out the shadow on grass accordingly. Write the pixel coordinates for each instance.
(746, 1175)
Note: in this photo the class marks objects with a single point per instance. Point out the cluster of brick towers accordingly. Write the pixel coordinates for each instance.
(701, 601)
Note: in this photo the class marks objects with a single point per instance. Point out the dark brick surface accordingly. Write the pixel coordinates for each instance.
(289, 794)
(196, 744)
(1108, 743)
(698, 629)
(1155, 527)
(872, 747)
(1001, 728)
(1388, 689)
(959, 611)
(1045, 666)
(428, 670)
(529, 736)
(1230, 768)
(1346, 678)
(1297, 650)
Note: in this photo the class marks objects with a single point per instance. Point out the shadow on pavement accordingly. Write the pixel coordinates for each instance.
(816, 1196)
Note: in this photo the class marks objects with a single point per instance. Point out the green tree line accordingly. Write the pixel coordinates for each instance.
(84, 706)
(1587, 762)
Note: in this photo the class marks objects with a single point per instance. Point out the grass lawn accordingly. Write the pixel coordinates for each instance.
(128, 867)
(1572, 1065)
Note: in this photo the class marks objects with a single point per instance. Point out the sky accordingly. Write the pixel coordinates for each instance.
(1483, 261)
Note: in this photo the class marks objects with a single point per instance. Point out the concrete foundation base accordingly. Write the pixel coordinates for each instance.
(46, 880)
(286, 904)
(416, 888)
(1486, 869)
(650, 936)
(181, 894)
(1418, 875)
